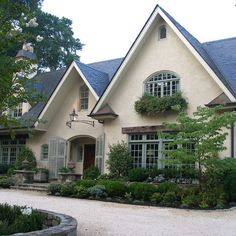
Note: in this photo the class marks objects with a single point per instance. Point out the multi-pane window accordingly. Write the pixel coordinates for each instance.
(84, 97)
(44, 152)
(162, 32)
(162, 84)
(17, 112)
(148, 150)
(9, 150)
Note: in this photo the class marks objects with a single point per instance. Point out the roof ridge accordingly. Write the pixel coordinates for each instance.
(105, 60)
(90, 67)
(219, 40)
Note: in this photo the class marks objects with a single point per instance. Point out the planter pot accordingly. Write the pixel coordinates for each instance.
(41, 177)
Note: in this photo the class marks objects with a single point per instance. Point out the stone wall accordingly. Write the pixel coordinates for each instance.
(55, 225)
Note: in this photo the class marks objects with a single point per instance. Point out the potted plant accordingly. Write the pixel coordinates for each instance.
(41, 175)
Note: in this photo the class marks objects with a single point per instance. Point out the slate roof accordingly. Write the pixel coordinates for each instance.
(109, 66)
(219, 55)
(26, 54)
(205, 50)
(97, 79)
(97, 74)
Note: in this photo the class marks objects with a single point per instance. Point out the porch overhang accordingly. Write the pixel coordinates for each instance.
(222, 100)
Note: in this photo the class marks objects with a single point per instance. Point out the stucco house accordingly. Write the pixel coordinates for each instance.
(163, 60)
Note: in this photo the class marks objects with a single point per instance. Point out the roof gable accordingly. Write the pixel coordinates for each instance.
(192, 44)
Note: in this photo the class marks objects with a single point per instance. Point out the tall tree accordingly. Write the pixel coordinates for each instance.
(15, 87)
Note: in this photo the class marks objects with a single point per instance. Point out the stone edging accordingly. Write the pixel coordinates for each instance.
(61, 224)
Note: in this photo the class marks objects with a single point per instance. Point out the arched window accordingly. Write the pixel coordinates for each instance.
(162, 32)
(84, 97)
(162, 84)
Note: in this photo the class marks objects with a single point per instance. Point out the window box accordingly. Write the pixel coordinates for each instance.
(151, 106)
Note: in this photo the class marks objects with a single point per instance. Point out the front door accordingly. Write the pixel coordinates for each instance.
(89, 155)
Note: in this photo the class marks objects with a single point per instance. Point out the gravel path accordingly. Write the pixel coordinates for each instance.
(102, 218)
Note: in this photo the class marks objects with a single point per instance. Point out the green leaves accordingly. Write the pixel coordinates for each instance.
(206, 130)
(152, 106)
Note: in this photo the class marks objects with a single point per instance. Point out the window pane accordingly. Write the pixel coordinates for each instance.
(84, 96)
(151, 155)
(136, 154)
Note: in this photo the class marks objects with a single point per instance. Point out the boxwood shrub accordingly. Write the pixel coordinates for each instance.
(115, 188)
(142, 191)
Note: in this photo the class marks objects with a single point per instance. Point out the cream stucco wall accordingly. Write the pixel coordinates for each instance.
(57, 114)
(155, 55)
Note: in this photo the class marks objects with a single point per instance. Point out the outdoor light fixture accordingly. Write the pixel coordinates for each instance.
(74, 118)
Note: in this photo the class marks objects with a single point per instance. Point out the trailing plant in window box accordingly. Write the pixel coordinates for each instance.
(151, 106)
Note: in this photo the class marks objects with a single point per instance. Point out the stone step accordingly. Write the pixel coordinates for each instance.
(31, 187)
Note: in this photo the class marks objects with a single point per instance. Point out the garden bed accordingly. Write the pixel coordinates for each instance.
(16, 220)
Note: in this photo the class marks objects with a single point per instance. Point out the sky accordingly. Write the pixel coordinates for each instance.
(109, 27)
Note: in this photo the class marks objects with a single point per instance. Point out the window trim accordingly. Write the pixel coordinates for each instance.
(42, 153)
(160, 83)
(161, 36)
(83, 100)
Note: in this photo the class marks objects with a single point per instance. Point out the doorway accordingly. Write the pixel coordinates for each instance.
(89, 155)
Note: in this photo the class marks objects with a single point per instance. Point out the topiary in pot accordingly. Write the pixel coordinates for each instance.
(26, 154)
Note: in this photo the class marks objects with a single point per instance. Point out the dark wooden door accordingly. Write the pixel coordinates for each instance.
(89, 155)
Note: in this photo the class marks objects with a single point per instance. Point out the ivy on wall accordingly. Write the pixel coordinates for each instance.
(151, 106)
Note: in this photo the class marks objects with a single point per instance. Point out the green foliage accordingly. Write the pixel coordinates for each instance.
(14, 219)
(6, 182)
(115, 188)
(191, 200)
(67, 189)
(97, 191)
(169, 198)
(81, 191)
(152, 106)
(168, 187)
(66, 47)
(4, 168)
(138, 175)
(142, 191)
(203, 132)
(25, 154)
(87, 183)
(64, 170)
(54, 188)
(11, 40)
(91, 173)
(230, 185)
(156, 198)
(119, 159)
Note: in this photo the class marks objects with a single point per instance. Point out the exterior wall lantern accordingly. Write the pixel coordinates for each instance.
(74, 118)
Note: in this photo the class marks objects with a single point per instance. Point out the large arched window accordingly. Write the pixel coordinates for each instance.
(162, 84)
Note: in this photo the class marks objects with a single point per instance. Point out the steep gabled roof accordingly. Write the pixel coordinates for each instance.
(204, 52)
(97, 79)
(223, 52)
(97, 74)
(109, 66)
(200, 51)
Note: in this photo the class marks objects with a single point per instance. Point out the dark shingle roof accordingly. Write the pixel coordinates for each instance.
(46, 83)
(109, 66)
(97, 79)
(223, 52)
(203, 52)
(26, 54)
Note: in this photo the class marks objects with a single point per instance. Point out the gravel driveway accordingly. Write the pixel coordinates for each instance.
(102, 218)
